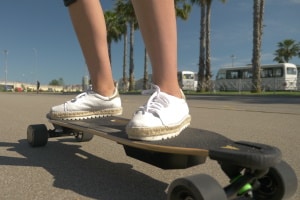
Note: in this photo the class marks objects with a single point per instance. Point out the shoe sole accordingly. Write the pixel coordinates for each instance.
(158, 133)
(84, 114)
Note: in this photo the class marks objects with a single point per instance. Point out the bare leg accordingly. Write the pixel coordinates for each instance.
(89, 24)
(164, 115)
(157, 22)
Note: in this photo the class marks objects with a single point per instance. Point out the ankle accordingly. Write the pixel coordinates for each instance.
(107, 92)
(173, 90)
(176, 93)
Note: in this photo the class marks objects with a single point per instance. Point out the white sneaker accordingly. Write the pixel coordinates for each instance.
(88, 105)
(162, 117)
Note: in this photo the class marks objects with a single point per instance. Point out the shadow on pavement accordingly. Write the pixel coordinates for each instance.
(76, 170)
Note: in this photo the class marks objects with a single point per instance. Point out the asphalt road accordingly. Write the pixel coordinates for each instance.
(99, 169)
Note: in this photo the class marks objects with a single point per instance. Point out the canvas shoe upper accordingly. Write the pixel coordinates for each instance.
(88, 105)
(163, 116)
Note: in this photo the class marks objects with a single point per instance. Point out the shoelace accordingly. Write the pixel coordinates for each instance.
(155, 103)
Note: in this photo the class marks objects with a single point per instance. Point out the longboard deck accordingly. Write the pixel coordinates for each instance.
(191, 142)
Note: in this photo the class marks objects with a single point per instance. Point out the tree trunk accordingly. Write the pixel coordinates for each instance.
(258, 9)
(208, 73)
(145, 80)
(124, 80)
(201, 80)
(109, 52)
(131, 63)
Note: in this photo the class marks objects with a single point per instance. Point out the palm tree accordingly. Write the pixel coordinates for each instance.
(287, 49)
(204, 73)
(258, 12)
(208, 73)
(182, 9)
(114, 31)
(201, 64)
(125, 12)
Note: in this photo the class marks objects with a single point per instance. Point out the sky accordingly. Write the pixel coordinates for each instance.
(41, 44)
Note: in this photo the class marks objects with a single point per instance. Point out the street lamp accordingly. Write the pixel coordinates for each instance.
(35, 63)
(232, 60)
(5, 65)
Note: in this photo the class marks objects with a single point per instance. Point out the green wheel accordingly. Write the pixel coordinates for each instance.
(279, 183)
(37, 135)
(197, 187)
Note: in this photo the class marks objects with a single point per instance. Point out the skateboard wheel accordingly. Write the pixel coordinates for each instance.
(279, 183)
(83, 137)
(37, 135)
(196, 187)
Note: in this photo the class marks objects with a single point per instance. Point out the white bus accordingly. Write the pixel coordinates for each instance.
(281, 76)
(187, 80)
